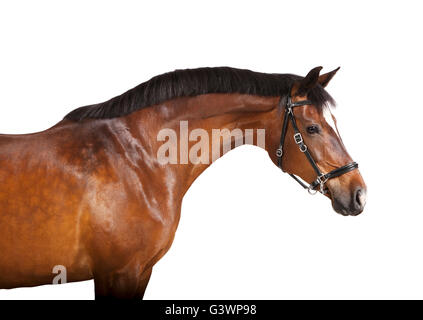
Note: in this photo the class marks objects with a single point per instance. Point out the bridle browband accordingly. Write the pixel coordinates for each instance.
(322, 178)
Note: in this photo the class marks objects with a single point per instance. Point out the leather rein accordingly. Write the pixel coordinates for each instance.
(322, 178)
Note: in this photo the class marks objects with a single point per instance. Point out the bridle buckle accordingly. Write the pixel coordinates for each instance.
(298, 138)
(321, 180)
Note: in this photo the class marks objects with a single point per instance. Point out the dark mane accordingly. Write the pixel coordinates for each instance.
(193, 82)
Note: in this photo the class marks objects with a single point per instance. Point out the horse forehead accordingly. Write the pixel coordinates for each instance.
(310, 112)
(327, 114)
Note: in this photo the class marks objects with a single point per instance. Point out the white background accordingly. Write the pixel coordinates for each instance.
(247, 230)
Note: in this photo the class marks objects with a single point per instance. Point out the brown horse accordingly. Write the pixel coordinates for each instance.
(91, 193)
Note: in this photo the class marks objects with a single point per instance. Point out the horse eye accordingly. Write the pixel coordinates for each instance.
(312, 129)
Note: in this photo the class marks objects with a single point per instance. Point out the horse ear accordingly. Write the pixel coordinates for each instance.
(309, 81)
(325, 78)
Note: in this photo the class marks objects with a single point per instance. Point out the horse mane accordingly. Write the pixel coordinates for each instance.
(193, 82)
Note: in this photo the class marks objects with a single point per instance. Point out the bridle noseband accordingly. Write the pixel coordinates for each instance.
(322, 178)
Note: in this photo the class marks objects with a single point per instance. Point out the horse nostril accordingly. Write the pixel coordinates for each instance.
(360, 198)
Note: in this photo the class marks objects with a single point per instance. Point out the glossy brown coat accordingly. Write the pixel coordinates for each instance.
(92, 196)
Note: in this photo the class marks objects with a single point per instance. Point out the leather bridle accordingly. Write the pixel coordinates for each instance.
(322, 178)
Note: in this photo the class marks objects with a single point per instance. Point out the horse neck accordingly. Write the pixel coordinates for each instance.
(199, 125)
(204, 124)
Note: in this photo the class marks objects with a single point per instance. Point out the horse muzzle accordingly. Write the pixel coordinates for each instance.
(352, 203)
